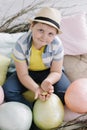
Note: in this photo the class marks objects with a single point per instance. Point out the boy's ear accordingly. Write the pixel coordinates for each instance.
(31, 25)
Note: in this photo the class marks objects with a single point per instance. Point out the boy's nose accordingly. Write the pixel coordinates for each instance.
(44, 36)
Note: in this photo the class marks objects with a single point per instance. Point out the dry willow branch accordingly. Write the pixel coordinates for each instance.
(79, 123)
(5, 27)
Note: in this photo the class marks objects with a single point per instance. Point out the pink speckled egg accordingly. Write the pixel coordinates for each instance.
(1, 95)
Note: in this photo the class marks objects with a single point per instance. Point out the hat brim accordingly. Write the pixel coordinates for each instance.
(46, 22)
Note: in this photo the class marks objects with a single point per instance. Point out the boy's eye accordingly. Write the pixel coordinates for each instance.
(51, 34)
(40, 30)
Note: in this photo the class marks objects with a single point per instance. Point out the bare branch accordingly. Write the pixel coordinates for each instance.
(8, 22)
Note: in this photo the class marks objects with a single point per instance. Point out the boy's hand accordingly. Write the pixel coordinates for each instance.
(41, 94)
(47, 87)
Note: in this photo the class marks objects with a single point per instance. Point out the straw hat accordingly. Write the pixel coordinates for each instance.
(49, 16)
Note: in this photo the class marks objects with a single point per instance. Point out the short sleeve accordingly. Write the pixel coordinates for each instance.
(59, 50)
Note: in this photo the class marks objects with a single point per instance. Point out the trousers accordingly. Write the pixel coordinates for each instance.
(13, 89)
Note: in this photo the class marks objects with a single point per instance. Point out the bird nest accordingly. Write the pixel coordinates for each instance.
(79, 123)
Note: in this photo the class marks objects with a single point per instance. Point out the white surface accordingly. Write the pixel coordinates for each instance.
(67, 7)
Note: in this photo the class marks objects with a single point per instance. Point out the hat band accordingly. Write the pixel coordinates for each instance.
(48, 19)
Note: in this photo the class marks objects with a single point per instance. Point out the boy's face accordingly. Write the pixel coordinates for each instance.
(42, 34)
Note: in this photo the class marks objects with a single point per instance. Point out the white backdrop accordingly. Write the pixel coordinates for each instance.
(67, 7)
